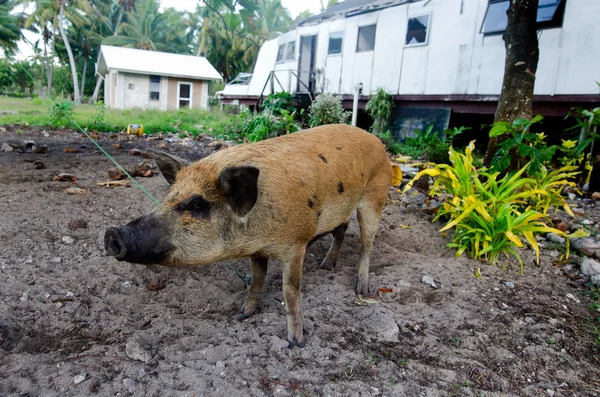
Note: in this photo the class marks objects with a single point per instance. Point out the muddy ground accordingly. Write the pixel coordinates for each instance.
(71, 318)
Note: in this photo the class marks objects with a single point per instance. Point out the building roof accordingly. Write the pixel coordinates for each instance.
(155, 63)
(353, 7)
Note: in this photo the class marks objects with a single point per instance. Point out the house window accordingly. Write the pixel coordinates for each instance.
(130, 86)
(184, 95)
(290, 53)
(335, 43)
(417, 30)
(286, 52)
(155, 87)
(366, 38)
(281, 53)
(549, 15)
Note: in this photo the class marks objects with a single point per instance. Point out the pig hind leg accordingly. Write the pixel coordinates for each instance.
(258, 268)
(292, 276)
(369, 214)
(332, 256)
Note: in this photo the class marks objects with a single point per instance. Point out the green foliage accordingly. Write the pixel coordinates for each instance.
(491, 215)
(379, 108)
(391, 144)
(430, 145)
(327, 109)
(278, 103)
(61, 112)
(100, 115)
(520, 147)
(262, 126)
(10, 30)
(552, 182)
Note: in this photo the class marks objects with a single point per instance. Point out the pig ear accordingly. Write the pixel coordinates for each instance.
(168, 164)
(240, 185)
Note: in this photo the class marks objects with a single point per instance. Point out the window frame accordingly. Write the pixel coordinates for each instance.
(190, 99)
(555, 23)
(150, 87)
(285, 46)
(426, 42)
(341, 32)
(358, 37)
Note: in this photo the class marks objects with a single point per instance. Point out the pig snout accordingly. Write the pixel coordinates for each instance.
(141, 241)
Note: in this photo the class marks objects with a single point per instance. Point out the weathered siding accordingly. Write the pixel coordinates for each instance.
(457, 58)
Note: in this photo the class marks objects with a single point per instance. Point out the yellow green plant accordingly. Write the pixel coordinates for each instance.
(552, 182)
(491, 216)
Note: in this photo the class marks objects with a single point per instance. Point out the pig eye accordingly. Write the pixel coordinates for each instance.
(197, 205)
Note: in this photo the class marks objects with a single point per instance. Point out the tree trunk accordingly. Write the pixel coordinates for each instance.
(522, 54)
(76, 95)
(44, 62)
(94, 97)
(51, 66)
(85, 63)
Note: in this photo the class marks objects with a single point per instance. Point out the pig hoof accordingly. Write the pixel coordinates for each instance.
(362, 289)
(242, 316)
(301, 344)
(293, 343)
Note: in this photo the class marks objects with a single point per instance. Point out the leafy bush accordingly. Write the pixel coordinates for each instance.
(261, 126)
(391, 144)
(327, 109)
(61, 112)
(552, 182)
(491, 216)
(100, 114)
(279, 102)
(430, 145)
(379, 108)
(521, 147)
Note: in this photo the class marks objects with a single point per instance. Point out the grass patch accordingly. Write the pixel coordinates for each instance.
(36, 112)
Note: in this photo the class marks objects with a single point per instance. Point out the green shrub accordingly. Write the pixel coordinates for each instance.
(279, 102)
(430, 145)
(61, 112)
(379, 108)
(327, 109)
(37, 101)
(491, 216)
(259, 127)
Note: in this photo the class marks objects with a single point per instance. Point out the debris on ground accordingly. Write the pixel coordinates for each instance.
(77, 190)
(124, 182)
(66, 178)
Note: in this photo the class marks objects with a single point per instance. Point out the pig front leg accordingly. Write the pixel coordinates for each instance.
(258, 268)
(292, 275)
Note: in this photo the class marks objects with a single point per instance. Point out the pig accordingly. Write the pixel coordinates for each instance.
(265, 200)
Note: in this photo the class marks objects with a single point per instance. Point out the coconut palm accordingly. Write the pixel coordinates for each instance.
(10, 31)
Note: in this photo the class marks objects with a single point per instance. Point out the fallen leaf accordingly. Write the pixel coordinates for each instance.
(404, 226)
(116, 146)
(148, 174)
(596, 195)
(396, 175)
(77, 190)
(65, 178)
(383, 290)
(124, 182)
(71, 150)
(403, 159)
(115, 174)
(155, 287)
(135, 152)
(363, 300)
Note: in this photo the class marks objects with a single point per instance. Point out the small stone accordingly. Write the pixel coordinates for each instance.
(590, 267)
(572, 196)
(529, 320)
(595, 280)
(555, 238)
(80, 378)
(56, 259)
(572, 297)
(428, 280)
(129, 383)
(509, 284)
(6, 147)
(278, 343)
(587, 222)
(126, 284)
(588, 246)
(138, 348)
(596, 195)
(67, 240)
(24, 297)
(554, 254)
(496, 289)
(504, 306)
(550, 392)
(220, 364)
(77, 224)
(383, 326)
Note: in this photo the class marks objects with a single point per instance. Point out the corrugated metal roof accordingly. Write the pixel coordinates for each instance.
(352, 6)
(155, 63)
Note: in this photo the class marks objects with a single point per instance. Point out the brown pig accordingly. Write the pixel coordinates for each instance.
(269, 199)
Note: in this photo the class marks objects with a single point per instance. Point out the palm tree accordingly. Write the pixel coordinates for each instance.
(10, 31)
(61, 27)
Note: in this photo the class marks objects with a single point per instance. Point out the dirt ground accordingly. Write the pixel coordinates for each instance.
(71, 318)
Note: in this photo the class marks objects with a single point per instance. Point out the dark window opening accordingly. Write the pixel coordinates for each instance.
(290, 54)
(155, 87)
(335, 43)
(416, 32)
(280, 53)
(366, 38)
(550, 14)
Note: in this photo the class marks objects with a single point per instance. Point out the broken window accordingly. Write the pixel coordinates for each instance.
(549, 15)
(366, 38)
(335, 43)
(417, 30)
(290, 53)
(286, 52)
(155, 87)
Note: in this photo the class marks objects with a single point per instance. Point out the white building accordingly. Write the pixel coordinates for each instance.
(154, 80)
(430, 53)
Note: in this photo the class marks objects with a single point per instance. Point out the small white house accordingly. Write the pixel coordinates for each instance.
(430, 53)
(154, 80)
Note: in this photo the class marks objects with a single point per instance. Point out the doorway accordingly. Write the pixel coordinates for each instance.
(184, 95)
(307, 64)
